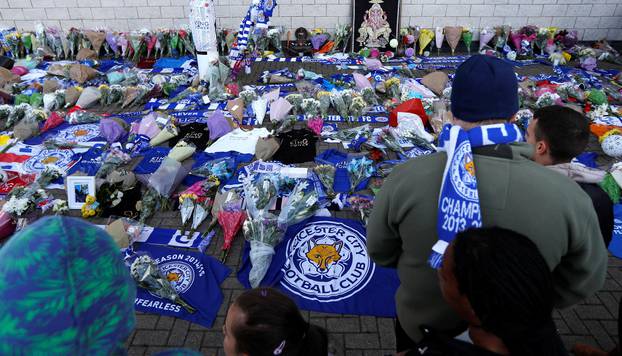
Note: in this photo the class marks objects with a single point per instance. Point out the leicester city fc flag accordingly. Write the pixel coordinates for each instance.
(322, 263)
(196, 278)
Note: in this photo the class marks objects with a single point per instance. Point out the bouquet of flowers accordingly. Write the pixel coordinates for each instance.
(369, 95)
(542, 38)
(363, 205)
(82, 117)
(425, 37)
(587, 58)
(502, 33)
(186, 207)
(248, 96)
(310, 107)
(359, 169)
(60, 207)
(324, 99)
(385, 137)
(326, 175)
(148, 275)
(259, 193)
(230, 218)
(467, 37)
(222, 168)
(296, 101)
(263, 234)
(357, 107)
(17, 114)
(439, 36)
(151, 202)
(338, 102)
(114, 158)
(485, 35)
(392, 87)
(301, 204)
(279, 109)
(114, 95)
(342, 33)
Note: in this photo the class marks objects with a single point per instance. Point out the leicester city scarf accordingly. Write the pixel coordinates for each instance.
(458, 204)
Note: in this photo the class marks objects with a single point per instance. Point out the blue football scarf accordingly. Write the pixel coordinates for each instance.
(169, 237)
(615, 246)
(458, 204)
(196, 278)
(323, 265)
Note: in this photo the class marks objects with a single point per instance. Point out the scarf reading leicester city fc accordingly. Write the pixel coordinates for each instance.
(458, 203)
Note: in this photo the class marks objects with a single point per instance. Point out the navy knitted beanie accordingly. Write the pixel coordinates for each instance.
(484, 88)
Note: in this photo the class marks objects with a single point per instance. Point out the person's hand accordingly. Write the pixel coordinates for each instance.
(587, 350)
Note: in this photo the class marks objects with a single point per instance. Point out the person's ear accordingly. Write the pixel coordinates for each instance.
(541, 148)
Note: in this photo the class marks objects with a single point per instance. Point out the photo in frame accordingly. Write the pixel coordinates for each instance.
(78, 187)
(375, 23)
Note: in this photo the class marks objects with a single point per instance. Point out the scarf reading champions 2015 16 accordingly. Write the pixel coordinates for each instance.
(322, 263)
(458, 203)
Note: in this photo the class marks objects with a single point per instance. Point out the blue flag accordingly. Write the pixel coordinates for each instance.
(66, 133)
(615, 246)
(196, 278)
(322, 263)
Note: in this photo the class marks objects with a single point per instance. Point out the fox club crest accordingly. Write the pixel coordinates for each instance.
(326, 261)
(78, 133)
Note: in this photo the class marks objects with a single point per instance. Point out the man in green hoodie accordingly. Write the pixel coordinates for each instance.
(488, 180)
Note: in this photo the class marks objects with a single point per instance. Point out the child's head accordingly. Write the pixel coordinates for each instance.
(264, 321)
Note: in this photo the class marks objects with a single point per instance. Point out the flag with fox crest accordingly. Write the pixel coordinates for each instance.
(322, 263)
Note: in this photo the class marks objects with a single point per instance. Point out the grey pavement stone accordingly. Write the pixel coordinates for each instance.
(146, 321)
(611, 327)
(368, 324)
(344, 325)
(610, 302)
(562, 328)
(150, 338)
(386, 330)
(193, 340)
(593, 312)
(136, 351)
(361, 341)
(336, 344)
(212, 339)
(178, 333)
(602, 337)
(165, 323)
(573, 322)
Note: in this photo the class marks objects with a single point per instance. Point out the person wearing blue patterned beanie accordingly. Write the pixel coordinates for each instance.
(482, 176)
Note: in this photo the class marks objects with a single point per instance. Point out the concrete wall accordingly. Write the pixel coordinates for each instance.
(593, 19)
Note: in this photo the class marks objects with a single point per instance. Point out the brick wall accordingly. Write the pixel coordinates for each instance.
(592, 18)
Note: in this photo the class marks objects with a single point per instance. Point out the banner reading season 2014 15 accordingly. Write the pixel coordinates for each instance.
(322, 263)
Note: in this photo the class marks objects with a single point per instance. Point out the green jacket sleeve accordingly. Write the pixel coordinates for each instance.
(582, 270)
(384, 244)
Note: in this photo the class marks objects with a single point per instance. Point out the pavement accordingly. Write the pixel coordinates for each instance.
(592, 322)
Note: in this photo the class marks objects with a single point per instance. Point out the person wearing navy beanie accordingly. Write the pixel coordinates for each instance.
(484, 88)
(491, 182)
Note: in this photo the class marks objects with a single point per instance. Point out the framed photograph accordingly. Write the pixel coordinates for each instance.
(78, 187)
(375, 23)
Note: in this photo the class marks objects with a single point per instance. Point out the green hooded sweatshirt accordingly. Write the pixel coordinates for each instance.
(515, 193)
